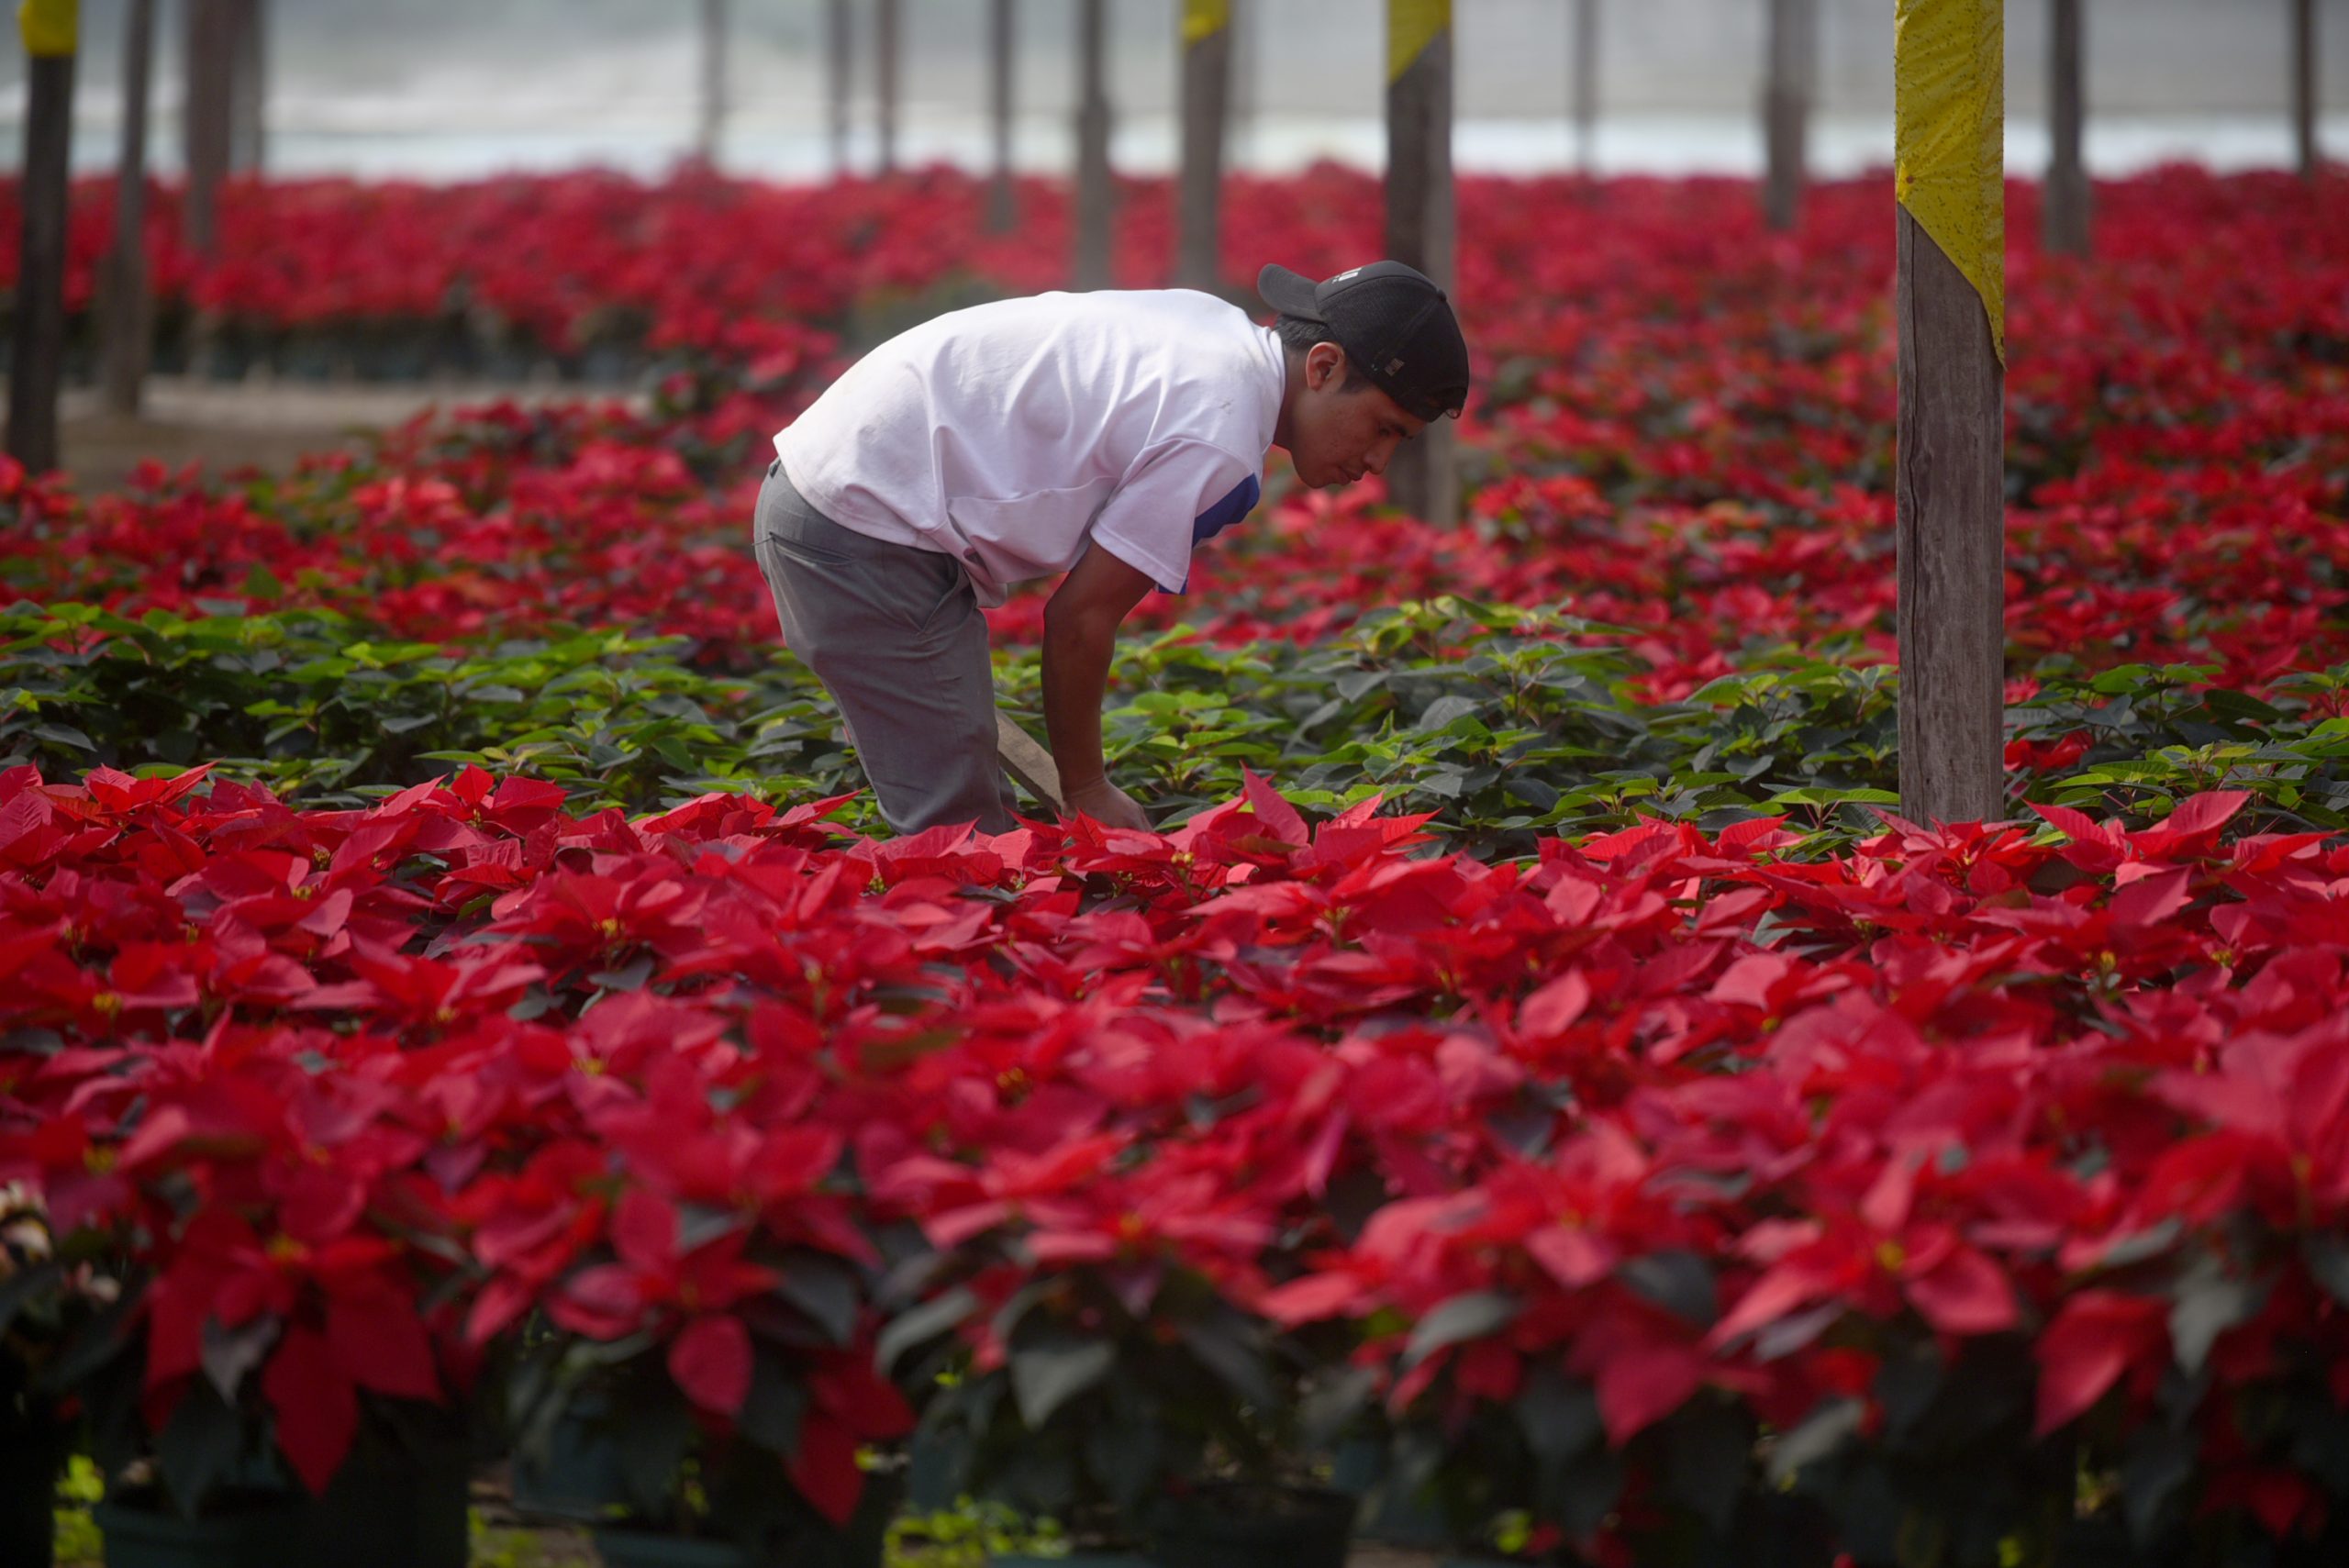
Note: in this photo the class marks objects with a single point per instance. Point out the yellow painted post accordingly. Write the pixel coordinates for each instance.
(1096, 192)
(1206, 83)
(1422, 477)
(37, 362)
(1950, 301)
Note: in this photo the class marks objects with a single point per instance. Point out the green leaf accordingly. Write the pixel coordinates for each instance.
(1462, 1318)
(1821, 1433)
(776, 1403)
(18, 1289)
(2207, 1301)
(1056, 1367)
(1560, 1415)
(921, 1323)
(229, 1353)
(1677, 1280)
(1232, 1359)
(826, 1290)
(199, 1446)
(1443, 710)
(2327, 1256)
(1706, 1454)
(105, 1335)
(2160, 1460)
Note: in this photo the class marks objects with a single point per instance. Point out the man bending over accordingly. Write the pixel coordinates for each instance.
(1104, 435)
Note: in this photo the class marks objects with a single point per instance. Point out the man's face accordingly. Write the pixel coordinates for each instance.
(1336, 437)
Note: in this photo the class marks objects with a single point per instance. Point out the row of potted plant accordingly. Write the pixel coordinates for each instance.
(1916, 1201)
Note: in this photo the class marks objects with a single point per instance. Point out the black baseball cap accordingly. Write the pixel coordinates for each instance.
(1393, 322)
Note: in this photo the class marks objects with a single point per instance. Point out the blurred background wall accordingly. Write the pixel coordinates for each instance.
(457, 88)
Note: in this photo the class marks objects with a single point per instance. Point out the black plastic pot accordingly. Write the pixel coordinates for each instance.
(651, 1549)
(383, 1509)
(153, 1537)
(578, 1474)
(860, 1543)
(1243, 1525)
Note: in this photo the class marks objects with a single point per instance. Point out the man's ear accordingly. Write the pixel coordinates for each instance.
(1324, 362)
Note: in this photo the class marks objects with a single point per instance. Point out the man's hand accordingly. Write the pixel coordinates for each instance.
(1080, 630)
(1110, 806)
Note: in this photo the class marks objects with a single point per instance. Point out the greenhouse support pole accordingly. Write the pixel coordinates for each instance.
(1785, 110)
(1094, 194)
(125, 309)
(712, 126)
(1585, 87)
(1002, 30)
(885, 47)
(2304, 86)
(36, 353)
(1207, 95)
(839, 61)
(2064, 204)
(1949, 483)
(1422, 478)
(208, 72)
(248, 26)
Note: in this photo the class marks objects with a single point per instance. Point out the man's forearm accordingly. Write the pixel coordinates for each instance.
(1076, 672)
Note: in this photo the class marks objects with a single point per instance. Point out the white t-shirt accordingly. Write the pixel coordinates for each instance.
(1010, 434)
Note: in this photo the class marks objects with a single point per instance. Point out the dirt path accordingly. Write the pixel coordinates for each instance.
(266, 424)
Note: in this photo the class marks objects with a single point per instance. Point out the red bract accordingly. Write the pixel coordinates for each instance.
(1531, 1061)
(1691, 446)
(1692, 1121)
(655, 1273)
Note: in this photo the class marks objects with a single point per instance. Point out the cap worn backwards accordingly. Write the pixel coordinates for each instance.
(1393, 322)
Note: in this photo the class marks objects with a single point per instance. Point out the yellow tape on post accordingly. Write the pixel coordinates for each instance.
(1203, 18)
(1411, 25)
(1949, 159)
(49, 26)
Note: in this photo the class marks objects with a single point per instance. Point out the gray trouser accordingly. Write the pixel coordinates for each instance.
(896, 635)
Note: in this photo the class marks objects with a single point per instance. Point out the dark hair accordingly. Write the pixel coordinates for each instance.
(1298, 334)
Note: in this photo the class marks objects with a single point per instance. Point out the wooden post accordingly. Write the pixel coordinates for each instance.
(248, 85)
(2304, 86)
(2064, 203)
(125, 310)
(1786, 110)
(1585, 74)
(1207, 86)
(711, 129)
(838, 59)
(1950, 301)
(885, 46)
(1095, 196)
(1002, 28)
(209, 66)
(1422, 478)
(36, 351)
